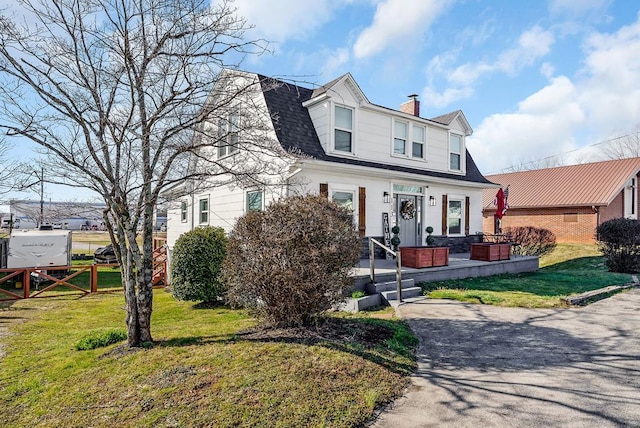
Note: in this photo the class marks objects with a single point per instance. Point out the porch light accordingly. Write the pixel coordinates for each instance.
(385, 197)
(432, 201)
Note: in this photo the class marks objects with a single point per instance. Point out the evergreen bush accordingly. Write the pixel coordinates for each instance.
(196, 263)
(619, 242)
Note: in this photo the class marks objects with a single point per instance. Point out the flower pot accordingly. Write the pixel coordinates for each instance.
(423, 257)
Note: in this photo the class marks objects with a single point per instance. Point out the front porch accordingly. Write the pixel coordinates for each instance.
(460, 266)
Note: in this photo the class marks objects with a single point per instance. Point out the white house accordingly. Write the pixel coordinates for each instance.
(376, 160)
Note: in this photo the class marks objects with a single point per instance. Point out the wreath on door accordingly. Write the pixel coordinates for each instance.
(408, 210)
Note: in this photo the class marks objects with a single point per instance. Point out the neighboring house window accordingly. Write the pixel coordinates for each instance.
(455, 151)
(400, 138)
(454, 217)
(183, 211)
(417, 145)
(254, 200)
(228, 135)
(204, 211)
(343, 129)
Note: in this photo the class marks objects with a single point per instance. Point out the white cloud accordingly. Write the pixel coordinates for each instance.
(532, 45)
(577, 8)
(397, 22)
(611, 90)
(279, 20)
(543, 125)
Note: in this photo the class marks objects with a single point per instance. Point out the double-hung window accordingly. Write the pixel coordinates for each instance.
(399, 138)
(343, 136)
(254, 200)
(418, 139)
(455, 152)
(203, 206)
(228, 129)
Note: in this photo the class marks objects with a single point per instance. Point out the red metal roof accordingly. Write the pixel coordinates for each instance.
(589, 184)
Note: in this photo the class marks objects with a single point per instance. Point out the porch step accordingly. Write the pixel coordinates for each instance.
(406, 293)
(388, 286)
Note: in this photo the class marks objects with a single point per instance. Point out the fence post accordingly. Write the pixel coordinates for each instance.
(93, 278)
(26, 283)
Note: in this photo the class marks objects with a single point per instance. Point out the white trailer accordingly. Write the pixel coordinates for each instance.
(39, 248)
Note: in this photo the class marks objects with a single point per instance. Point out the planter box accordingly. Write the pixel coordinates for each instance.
(490, 252)
(422, 257)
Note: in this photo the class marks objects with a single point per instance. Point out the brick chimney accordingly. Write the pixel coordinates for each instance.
(412, 106)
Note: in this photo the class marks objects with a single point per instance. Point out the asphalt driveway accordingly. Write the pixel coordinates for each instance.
(486, 366)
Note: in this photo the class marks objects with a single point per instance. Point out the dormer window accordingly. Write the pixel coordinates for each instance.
(228, 129)
(400, 138)
(455, 152)
(343, 137)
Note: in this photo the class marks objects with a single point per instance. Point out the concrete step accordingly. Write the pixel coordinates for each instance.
(388, 286)
(406, 293)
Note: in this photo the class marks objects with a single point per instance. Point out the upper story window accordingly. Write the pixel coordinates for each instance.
(399, 138)
(254, 200)
(455, 152)
(183, 211)
(204, 210)
(228, 130)
(417, 144)
(343, 138)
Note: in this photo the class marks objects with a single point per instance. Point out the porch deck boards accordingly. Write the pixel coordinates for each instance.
(460, 266)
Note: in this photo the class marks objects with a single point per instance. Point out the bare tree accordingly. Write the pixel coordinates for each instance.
(527, 165)
(120, 95)
(626, 146)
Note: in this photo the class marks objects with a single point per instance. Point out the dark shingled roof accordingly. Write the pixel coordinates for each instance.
(296, 132)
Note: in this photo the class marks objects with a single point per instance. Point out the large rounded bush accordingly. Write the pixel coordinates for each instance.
(293, 260)
(619, 242)
(196, 263)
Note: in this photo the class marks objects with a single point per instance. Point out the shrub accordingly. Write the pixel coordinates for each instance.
(358, 294)
(100, 339)
(196, 263)
(293, 260)
(531, 241)
(619, 242)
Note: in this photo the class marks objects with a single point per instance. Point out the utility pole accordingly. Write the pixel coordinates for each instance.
(41, 220)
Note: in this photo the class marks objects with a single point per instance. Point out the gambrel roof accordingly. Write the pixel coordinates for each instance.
(295, 131)
(589, 184)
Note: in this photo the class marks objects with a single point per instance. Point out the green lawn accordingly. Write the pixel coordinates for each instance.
(570, 269)
(203, 370)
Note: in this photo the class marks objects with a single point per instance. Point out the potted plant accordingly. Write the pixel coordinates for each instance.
(422, 257)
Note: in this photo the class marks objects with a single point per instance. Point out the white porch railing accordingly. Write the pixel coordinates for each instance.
(372, 265)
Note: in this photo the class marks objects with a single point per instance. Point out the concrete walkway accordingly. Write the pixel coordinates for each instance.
(486, 366)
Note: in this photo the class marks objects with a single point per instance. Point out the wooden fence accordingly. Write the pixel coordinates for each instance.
(24, 280)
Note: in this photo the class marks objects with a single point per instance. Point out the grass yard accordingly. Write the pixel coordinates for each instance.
(569, 269)
(209, 367)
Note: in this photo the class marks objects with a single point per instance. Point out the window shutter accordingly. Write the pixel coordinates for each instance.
(362, 211)
(324, 190)
(466, 215)
(445, 214)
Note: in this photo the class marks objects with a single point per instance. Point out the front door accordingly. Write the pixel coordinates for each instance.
(408, 212)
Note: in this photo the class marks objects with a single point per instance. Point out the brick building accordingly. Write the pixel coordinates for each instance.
(571, 201)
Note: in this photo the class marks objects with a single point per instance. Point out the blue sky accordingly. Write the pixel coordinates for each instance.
(534, 78)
